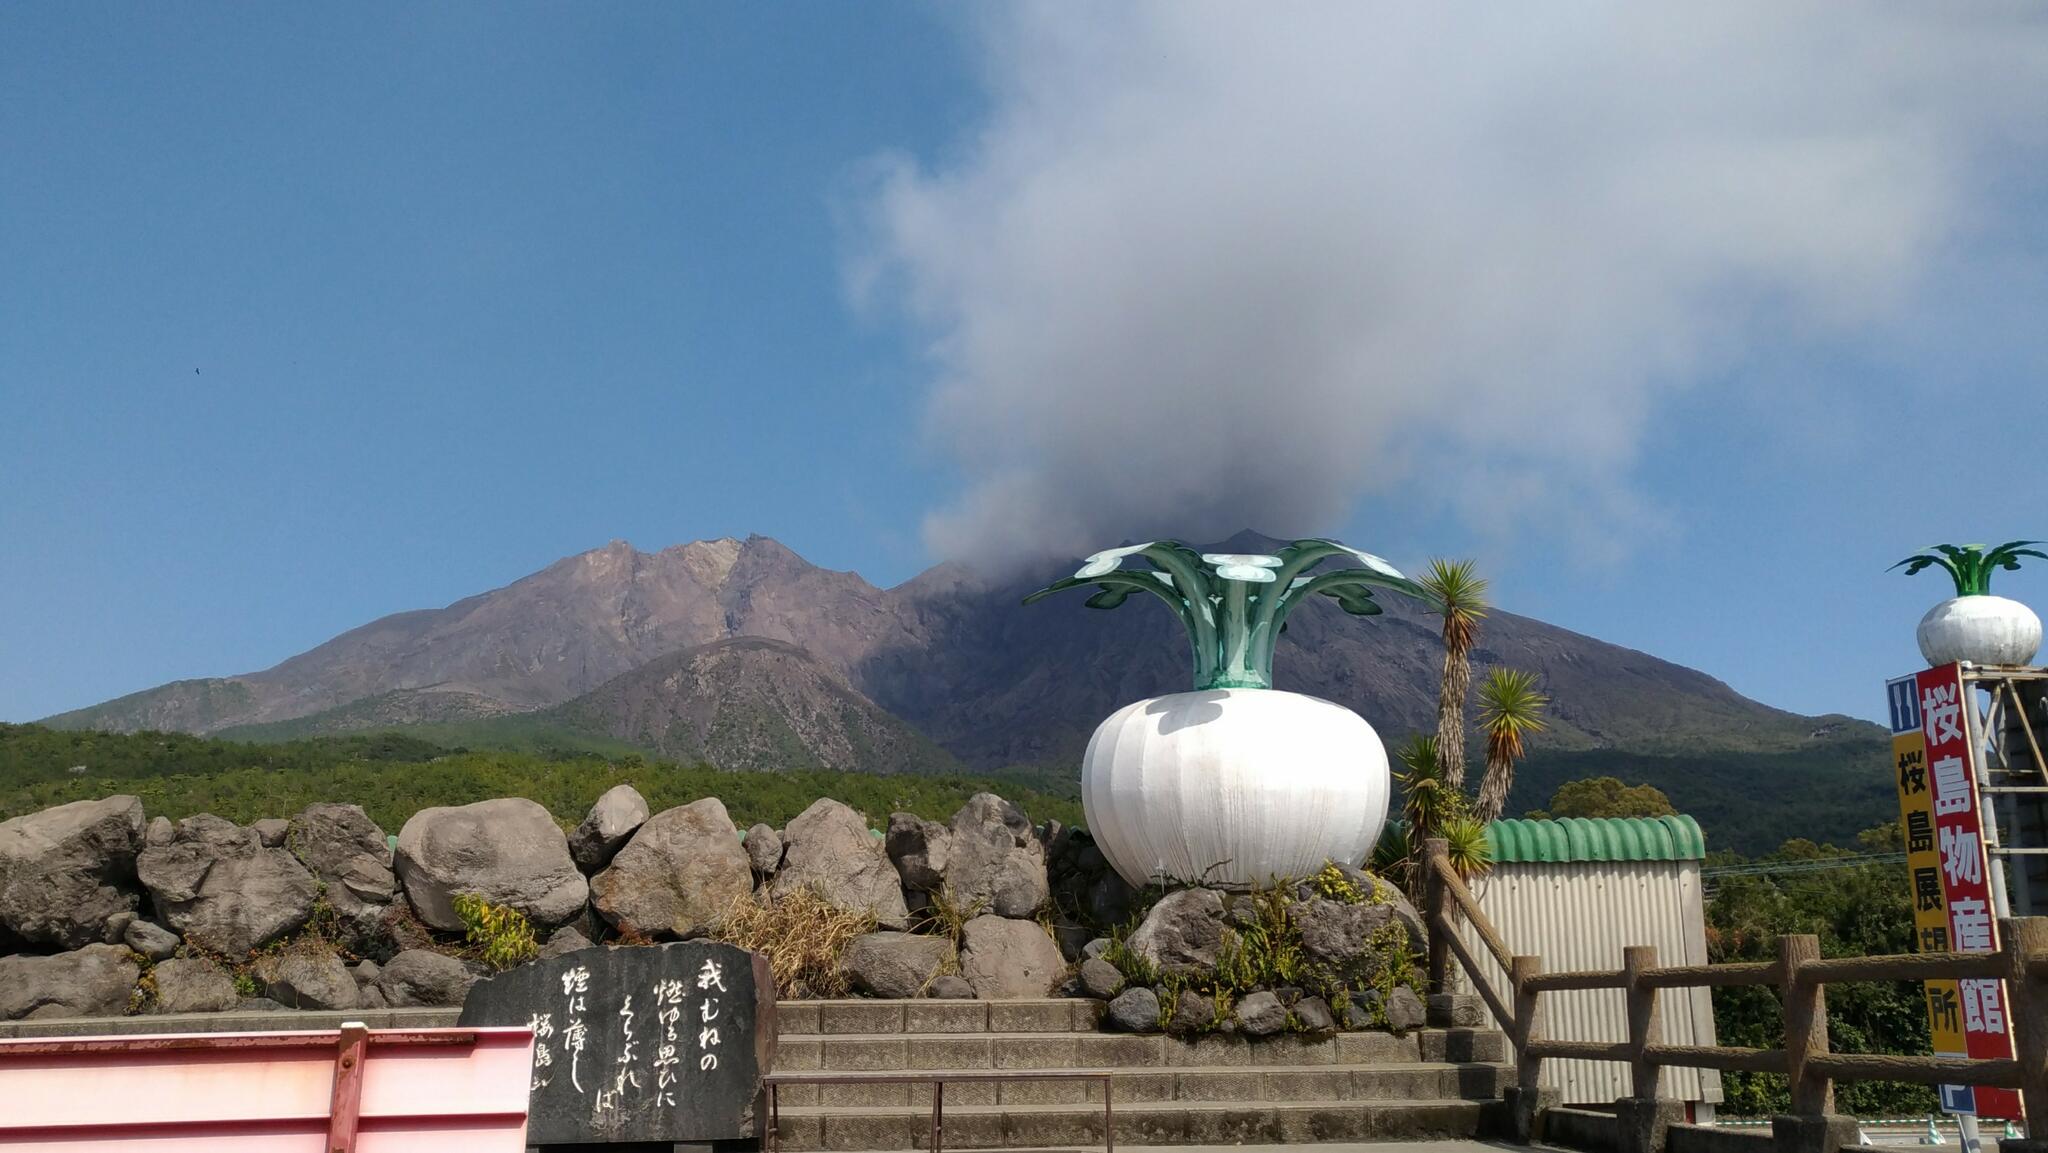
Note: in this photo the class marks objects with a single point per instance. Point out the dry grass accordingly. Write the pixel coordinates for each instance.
(947, 917)
(802, 936)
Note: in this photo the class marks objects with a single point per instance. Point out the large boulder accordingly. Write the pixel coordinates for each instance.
(64, 871)
(193, 985)
(1405, 1010)
(565, 940)
(681, 871)
(1109, 899)
(996, 861)
(1135, 1010)
(1388, 894)
(897, 965)
(1347, 935)
(149, 939)
(950, 988)
(348, 853)
(222, 890)
(1182, 933)
(764, 849)
(1192, 1013)
(829, 850)
(1006, 959)
(509, 851)
(562, 943)
(305, 979)
(1260, 1014)
(1100, 979)
(607, 826)
(418, 977)
(1313, 1015)
(91, 982)
(920, 850)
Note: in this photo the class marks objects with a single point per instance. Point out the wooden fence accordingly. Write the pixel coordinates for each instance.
(1801, 975)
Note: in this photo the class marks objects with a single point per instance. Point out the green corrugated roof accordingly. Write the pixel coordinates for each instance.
(1676, 838)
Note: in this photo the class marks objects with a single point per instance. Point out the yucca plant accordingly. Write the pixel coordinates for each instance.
(1465, 840)
(1970, 565)
(1427, 800)
(1393, 856)
(1459, 594)
(1510, 708)
(1429, 807)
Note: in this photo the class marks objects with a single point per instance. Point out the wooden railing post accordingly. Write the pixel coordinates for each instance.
(2026, 947)
(1436, 856)
(1528, 1023)
(1644, 1120)
(1525, 1098)
(1811, 1126)
(1806, 1025)
(1643, 1026)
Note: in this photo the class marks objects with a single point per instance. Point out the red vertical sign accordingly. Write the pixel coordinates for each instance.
(1965, 876)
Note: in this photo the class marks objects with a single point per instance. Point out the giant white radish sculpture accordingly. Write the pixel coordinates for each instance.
(1235, 783)
(1973, 625)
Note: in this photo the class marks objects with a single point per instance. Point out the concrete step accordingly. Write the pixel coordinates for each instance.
(1301, 1084)
(798, 1053)
(1058, 1015)
(805, 1129)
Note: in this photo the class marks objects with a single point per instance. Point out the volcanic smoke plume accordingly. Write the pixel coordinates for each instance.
(1215, 265)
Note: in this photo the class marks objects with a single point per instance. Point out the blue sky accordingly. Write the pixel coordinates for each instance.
(310, 316)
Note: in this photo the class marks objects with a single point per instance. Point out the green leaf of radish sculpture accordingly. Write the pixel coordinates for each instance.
(1970, 566)
(1235, 605)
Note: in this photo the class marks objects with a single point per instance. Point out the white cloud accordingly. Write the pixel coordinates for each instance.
(1217, 265)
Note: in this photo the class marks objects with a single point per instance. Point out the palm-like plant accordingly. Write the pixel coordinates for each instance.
(1468, 849)
(1430, 808)
(1460, 596)
(1509, 708)
(1427, 802)
(1970, 566)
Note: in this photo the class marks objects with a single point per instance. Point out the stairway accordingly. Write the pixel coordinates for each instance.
(1215, 1090)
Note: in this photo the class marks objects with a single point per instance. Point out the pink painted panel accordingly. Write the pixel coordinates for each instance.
(449, 1090)
(491, 1076)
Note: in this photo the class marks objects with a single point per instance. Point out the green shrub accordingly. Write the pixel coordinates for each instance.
(499, 934)
(1334, 884)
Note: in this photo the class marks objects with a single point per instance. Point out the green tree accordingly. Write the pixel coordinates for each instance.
(1605, 797)
(1856, 909)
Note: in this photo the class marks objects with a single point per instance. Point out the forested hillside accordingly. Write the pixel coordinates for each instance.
(394, 776)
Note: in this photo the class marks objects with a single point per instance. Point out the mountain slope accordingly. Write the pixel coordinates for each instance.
(749, 703)
(949, 652)
(999, 683)
(540, 640)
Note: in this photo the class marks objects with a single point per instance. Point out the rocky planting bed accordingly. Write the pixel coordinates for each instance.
(105, 912)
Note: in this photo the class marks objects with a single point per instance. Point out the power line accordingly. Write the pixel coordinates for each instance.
(1818, 864)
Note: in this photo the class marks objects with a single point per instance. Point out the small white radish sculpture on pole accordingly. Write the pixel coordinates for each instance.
(1973, 625)
(1235, 784)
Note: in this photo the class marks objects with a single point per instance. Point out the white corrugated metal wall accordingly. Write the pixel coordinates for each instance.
(1579, 916)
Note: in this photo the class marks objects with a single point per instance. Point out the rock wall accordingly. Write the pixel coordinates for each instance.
(103, 911)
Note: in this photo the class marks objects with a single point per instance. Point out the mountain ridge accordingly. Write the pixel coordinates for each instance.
(949, 653)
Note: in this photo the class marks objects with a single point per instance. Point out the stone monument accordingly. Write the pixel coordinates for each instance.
(650, 1046)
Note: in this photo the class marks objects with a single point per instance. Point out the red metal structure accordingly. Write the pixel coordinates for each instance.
(353, 1090)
